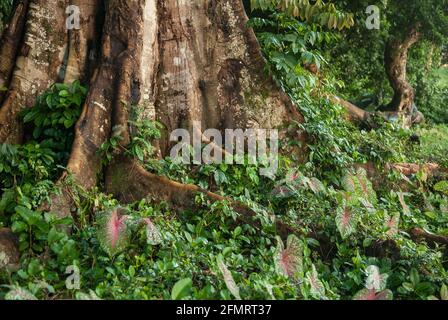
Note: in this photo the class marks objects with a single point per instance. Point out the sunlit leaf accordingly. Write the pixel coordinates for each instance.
(375, 280)
(290, 260)
(181, 289)
(228, 278)
(317, 289)
(444, 292)
(345, 221)
(442, 186)
(153, 236)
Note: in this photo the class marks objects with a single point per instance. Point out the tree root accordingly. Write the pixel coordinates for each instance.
(354, 113)
(358, 115)
(419, 235)
(408, 169)
(9, 44)
(379, 180)
(128, 181)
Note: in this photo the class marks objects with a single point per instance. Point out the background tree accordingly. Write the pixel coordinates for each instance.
(388, 76)
(411, 22)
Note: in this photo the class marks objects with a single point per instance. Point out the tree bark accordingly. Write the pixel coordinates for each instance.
(39, 63)
(9, 252)
(10, 44)
(396, 58)
(177, 62)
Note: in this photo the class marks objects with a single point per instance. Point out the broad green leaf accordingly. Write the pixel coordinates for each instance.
(181, 289)
(444, 292)
(442, 187)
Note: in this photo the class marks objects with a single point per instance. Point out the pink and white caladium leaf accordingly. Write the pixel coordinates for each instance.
(375, 280)
(289, 260)
(295, 181)
(359, 185)
(228, 278)
(349, 182)
(113, 231)
(153, 236)
(295, 177)
(346, 221)
(372, 294)
(392, 224)
(366, 186)
(316, 185)
(317, 288)
(288, 187)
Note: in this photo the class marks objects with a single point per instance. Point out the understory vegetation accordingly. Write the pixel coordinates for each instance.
(352, 226)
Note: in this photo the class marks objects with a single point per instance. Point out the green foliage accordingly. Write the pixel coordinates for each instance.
(345, 223)
(54, 114)
(181, 289)
(429, 81)
(289, 45)
(143, 133)
(26, 174)
(5, 11)
(25, 164)
(51, 121)
(433, 145)
(359, 58)
(430, 17)
(318, 12)
(219, 259)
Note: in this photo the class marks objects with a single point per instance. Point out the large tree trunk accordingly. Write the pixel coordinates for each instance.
(177, 62)
(396, 58)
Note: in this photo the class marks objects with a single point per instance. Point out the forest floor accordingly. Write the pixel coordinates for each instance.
(349, 229)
